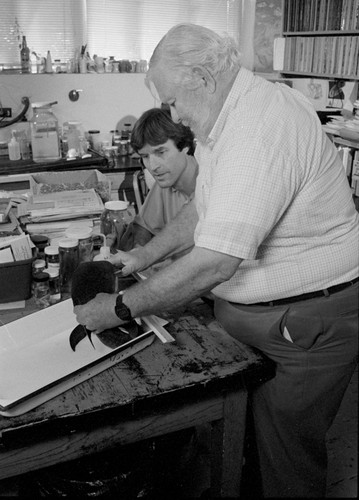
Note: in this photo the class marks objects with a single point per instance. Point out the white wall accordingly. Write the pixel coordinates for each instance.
(106, 99)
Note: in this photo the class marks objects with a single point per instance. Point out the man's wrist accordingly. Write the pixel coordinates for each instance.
(121, 310)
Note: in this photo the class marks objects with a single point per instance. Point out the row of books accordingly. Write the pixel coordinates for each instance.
(350, 158)
(321, 15)
(327, 55)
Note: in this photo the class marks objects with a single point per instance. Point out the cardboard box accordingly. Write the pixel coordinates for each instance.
(50, 182)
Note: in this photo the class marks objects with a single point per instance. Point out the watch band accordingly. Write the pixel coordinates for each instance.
(121, 310)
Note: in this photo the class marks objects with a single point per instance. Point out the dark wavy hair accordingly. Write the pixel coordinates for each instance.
(155, 126)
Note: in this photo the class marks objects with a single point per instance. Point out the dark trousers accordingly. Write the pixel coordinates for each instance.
(314, 344)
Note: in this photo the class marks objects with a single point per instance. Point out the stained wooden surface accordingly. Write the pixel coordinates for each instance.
(202, 354)
(202, 377)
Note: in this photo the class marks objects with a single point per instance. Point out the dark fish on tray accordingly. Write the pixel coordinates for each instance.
(112, 337)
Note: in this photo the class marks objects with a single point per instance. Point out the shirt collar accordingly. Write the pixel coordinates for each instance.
(240, 87)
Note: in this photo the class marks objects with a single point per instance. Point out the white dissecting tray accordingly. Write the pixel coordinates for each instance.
(37, 362)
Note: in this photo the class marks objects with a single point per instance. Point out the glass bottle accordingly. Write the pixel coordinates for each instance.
(25, 56)
(45, 139)
(69, 260)
(113, 220)
(54, 284)
(52, 257)
(41, 289)
(84, 237)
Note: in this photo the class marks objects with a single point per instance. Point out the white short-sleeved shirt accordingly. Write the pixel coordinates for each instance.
(272, 190)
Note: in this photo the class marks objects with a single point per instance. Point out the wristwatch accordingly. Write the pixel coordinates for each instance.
(121, 310)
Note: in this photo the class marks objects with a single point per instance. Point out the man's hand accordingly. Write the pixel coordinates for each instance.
(131, 261)
(99, 313)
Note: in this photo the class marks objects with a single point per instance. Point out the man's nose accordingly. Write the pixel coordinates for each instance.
(154, 163)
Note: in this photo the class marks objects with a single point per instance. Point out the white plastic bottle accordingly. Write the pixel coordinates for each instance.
(14, 147)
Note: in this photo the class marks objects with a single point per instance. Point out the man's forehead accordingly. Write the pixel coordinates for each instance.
(148, 149)
(154, 91)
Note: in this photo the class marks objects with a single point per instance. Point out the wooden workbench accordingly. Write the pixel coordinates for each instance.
(202, 377)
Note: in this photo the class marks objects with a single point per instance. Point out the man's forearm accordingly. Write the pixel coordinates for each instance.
(175, 237)
(184, 280)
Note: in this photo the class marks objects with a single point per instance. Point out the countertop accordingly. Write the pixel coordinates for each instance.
(125, 164)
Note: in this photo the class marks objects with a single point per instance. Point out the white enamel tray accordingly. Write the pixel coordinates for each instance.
(37, 362)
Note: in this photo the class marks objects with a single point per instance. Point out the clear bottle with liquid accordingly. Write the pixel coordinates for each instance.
(45, 139)
(25, 56)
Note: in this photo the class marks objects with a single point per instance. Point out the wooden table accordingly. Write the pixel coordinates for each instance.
(202, 377)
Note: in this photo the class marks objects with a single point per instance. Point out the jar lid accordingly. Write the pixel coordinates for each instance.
(39, 263)
(41, 277)
(51, 250)
(68, 243)
(78, 232)
(116, 205)
(53, 272)
(39, 239)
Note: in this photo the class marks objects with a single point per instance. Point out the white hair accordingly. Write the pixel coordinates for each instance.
(188, 45)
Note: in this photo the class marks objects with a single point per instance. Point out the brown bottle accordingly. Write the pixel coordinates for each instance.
(25, 56)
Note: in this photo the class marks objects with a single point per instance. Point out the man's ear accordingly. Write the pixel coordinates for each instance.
(201, 76)
(185, 150)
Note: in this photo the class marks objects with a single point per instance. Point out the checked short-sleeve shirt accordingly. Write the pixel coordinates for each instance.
(272, 190)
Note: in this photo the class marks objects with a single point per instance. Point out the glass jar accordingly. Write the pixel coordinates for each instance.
(84, 237)
(45, 139)
(94, 139)
(41, 289)
(54, 284)
(69, 260)
(41, 242)
(52, 257)
(114, 220)
(38, 266)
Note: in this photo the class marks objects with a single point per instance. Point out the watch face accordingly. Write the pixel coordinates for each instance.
(121, 310)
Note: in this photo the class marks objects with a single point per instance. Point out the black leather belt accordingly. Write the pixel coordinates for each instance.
(311, 295)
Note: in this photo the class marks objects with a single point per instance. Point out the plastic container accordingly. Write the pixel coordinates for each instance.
(52, 257)
(15, 279)
(45, 140)
(41, 290)
(14, 147)
(84, 237)
(69, 261)
(113, 220)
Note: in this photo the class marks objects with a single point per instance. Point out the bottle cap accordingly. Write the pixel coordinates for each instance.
(68, 243)
(39, 263)
(78, 232)
(53, 272)
(116, 205)
(51, 250)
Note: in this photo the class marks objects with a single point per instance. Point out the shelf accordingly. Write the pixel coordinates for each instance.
(307, 74)
(322, 33)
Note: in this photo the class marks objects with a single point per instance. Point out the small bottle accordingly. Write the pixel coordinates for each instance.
(25, 56)
(104, 254)
(41, 290)
(14, 147)
(38, 267)
(69, 261)
(54, 285)
(52, 257)
(48, 64)
(41, 242)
